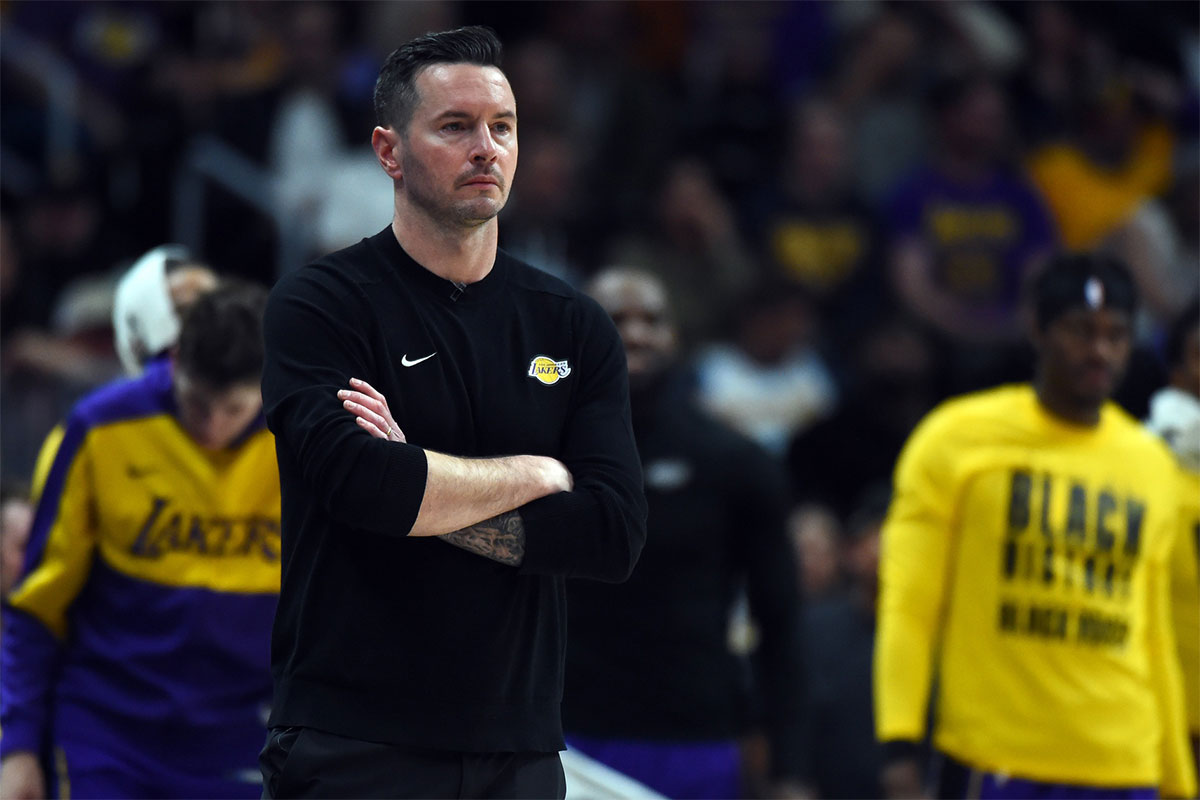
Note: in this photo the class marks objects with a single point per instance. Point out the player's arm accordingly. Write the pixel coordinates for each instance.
(35, 613)
(1178, 771)
(914, 555)
(315, 342)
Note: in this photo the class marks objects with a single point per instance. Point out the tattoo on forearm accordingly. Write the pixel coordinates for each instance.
(501, 538)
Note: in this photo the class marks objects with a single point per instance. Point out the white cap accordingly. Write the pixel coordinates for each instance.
(144, 318)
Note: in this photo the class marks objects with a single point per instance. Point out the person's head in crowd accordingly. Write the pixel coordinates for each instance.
(860, 552)
(446, 128)
(1175, 409)
(1083, 307)
(814, 532)
(817, 169)
(538, 71)
(61, 224)
(774, 320)
(638, 304)
(218, 364)
(1109, 116)
(314, 44)
(16, 521)
(150, 299)
(82, 314)
(1184, 197)
(1183, 351)
(691, 208)
(548, 179)
(972, 117)
(1054, 31)
(895, 372)
(888, 51)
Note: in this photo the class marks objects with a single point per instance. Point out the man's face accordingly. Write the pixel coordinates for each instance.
(1084, 353)
(638, 307)
(459, 152)
(215, 417)
(979, 124)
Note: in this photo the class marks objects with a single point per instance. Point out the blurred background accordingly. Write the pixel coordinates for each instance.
(844, 198)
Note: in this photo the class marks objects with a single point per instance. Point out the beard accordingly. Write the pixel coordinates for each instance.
(444, 209)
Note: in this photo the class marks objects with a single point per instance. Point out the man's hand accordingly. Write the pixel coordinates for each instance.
(373, 415)
(537, 476)
(555, 475)
(901, 780)
(21, 777)
(371, 409)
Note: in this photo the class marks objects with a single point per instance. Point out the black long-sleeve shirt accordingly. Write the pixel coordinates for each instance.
(409, 640)
(650, 659)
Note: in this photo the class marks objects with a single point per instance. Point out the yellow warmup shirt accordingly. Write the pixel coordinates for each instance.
(1025, 561)
(154, 570)
(1185, 596)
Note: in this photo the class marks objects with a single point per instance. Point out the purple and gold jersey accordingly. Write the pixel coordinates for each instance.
(152, 573)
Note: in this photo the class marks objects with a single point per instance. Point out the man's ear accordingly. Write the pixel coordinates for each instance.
(386, 143)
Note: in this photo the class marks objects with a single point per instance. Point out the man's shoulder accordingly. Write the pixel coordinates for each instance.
(970, 411)
(530, 280)
(1136, 437)
(526, 277)
(972, 423)
(357, 264)
(128, 398)
(693, 428)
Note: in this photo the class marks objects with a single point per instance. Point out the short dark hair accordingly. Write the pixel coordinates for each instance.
(1183, 327)
(396, 90)
(221, 340)
(1081, 280)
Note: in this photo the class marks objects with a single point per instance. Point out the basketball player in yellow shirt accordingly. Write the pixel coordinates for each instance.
(1025, 562)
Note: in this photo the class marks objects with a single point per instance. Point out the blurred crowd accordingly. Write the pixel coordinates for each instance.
(844, 201)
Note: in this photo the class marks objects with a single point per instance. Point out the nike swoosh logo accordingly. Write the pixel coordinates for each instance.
(404, 359)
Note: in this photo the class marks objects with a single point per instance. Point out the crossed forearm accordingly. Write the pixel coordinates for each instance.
(463, 493)
(501, 538)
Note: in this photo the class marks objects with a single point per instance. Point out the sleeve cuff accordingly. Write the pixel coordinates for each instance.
(17, 738)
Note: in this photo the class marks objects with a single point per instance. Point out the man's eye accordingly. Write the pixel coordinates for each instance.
(503, 127)
(452, 126)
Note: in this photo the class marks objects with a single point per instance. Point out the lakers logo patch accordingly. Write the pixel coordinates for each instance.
(547, 370)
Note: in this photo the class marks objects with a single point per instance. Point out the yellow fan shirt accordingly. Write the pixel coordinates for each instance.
(1025, 562)
(1090, 201)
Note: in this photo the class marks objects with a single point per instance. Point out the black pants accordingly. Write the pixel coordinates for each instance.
(308, 763)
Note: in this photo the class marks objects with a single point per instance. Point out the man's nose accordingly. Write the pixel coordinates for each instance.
(1105, 349)
(484, 146)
